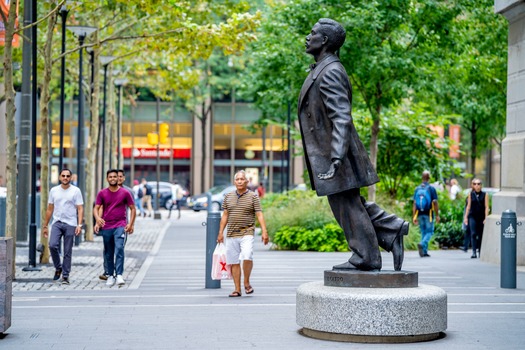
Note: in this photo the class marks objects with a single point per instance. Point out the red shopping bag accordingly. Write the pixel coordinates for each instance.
(220, 270)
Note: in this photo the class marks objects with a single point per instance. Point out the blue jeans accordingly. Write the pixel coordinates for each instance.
(138, 205)
(427, 230)
(114, 242)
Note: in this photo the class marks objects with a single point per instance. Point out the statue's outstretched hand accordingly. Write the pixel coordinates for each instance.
(336, 163)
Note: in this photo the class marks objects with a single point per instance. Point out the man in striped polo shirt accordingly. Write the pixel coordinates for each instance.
(240, 209)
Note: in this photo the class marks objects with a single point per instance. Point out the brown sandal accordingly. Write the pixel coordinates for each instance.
(235, 294)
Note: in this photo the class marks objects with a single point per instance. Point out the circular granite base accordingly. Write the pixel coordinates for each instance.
(379, 314)
(352, 338)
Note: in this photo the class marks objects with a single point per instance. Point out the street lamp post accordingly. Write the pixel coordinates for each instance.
(105, 61)
(81, 32)
(156, 214)
(288, 153)
(32, 226)
(119, 83)
(63, 13)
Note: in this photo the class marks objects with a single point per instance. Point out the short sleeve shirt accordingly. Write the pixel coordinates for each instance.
(65, 202)
(115, 205)
(241, 212)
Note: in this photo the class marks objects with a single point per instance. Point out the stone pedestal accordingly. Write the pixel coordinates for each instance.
(383, 314)
(6, 280)
(512, 195)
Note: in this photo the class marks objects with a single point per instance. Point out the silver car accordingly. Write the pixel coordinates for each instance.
(200, 202)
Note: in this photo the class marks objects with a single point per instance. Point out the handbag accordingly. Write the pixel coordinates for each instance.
(220, 270)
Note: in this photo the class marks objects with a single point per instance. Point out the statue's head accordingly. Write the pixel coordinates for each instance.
(334, 31)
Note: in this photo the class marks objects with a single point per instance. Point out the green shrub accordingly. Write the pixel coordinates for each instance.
(295, 208)
(299, 220)
(328, 238)
(448, 232)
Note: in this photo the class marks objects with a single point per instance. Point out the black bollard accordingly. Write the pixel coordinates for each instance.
(212, 230)
(508, 249)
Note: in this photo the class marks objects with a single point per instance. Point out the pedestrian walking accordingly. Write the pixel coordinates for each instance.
(146, 198)
(260, 190)
(241, 207)
(66, 206)
(121, 180)
(177, 193)
(425, 211)
(110, 214)
(475, 215)
(455, 189)
(137, 195)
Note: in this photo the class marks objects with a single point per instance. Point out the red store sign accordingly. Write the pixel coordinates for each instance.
(152, 153)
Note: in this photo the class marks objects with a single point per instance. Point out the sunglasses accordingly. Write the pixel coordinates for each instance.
(476, 183)
(65, 175)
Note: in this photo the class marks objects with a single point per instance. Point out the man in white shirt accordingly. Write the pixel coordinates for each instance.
(176, 195)
(66, 205)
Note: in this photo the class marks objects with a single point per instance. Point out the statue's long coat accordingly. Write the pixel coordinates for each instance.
(328, 131)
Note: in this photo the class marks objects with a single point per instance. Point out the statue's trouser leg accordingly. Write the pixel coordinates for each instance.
(353, 218)
(386, 225)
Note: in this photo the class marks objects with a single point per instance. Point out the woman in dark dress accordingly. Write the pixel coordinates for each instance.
(475, 214)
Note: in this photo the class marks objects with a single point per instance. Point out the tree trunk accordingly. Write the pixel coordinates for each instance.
(473, 148)
(113, 121)
(91, 169)
(44, 134)
(109, 122)
(11, 169)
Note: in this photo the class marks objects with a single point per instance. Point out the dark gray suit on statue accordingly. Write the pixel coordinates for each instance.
(328, 133)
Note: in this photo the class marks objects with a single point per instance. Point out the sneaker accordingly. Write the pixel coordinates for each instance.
(420, 250)
(103, 277)
(57, 275)
(65, 280)
(111, 281)
(120, 280)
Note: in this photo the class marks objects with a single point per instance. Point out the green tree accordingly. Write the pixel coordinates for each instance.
(408, 146)
(386, 44)
(470, 76)
(170, 36)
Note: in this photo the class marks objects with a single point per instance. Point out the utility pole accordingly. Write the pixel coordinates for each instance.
(24, 154)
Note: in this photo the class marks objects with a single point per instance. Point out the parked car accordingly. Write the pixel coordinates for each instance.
(200, 202)
(165, 193)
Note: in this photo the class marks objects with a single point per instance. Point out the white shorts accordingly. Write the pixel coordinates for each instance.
(239, 248)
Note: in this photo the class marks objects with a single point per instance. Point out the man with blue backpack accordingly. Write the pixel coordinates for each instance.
(425, 212)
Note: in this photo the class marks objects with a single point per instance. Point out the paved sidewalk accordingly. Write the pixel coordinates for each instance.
(165, 304)
(87, 261)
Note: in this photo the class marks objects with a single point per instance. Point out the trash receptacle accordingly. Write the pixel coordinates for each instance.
(6, 282)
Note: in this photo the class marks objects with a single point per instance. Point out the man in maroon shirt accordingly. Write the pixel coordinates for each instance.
(113, 225)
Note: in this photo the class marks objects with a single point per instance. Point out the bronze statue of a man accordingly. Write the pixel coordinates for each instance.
(337, 161)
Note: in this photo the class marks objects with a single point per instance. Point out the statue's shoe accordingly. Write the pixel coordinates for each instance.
(349, 266)
(345, 266)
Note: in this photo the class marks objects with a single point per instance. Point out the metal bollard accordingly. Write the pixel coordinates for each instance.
(212, 229)
(508, 249)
